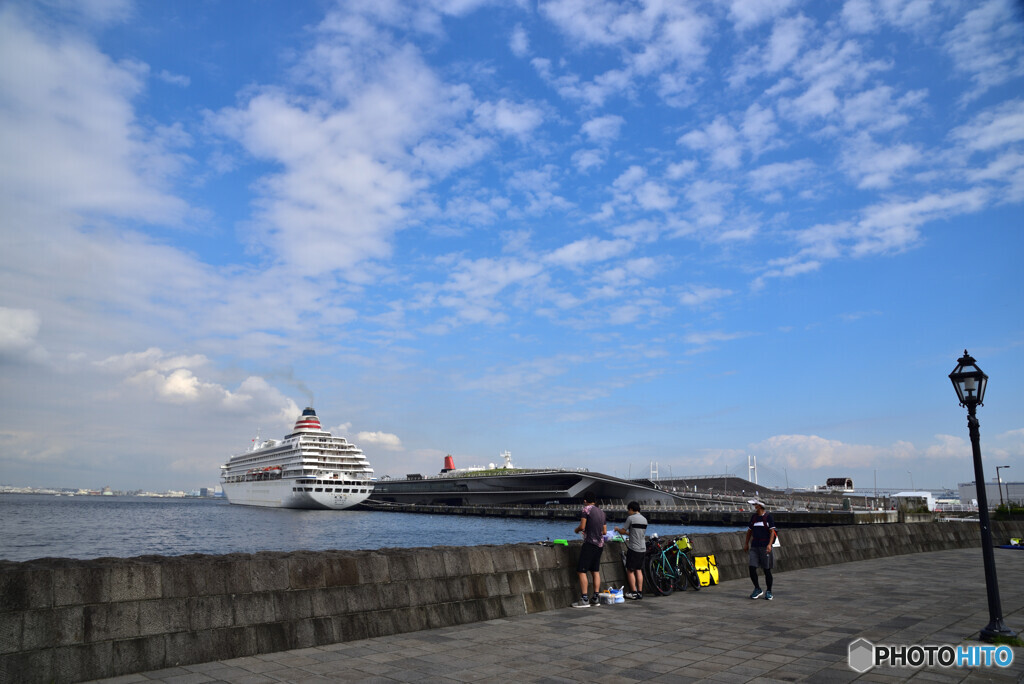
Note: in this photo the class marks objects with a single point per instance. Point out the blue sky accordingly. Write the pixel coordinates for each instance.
(595, 234)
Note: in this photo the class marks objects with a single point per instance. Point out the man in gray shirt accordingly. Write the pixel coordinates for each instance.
(592, 525)
(636, 545)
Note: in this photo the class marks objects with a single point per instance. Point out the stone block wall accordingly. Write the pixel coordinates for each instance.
(67, 620)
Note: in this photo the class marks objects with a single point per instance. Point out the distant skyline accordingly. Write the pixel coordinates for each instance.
(595, 234)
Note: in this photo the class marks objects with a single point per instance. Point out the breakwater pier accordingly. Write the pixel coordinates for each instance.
(732, 516)
(64, 621)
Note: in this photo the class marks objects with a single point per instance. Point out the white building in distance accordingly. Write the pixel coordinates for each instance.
(1011, 491)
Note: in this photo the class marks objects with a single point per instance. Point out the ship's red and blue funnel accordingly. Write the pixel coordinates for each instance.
(308, 421)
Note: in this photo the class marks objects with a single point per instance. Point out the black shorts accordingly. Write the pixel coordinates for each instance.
(760, 558)
(634, 559)
(590, 558)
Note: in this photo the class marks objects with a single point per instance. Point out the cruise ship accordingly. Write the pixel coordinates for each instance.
(309, 468)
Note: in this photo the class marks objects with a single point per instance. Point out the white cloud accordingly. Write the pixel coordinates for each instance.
(474, 287)
(682, 169)
(948, 447)
(771, 177)
(603, 129)
(509, 118)
(643, 230)
(355, 156)
(858, 15)
(78, 145)
(153, 358)
(654, 196)
(824, 74)
(994, 128)
(708, 200)
(602, 22)
(725, 144)
(893, 225)
(703, 341)
(1007, 169)
(333, 206)
(630, 178)
(174, 79)
(879, 109)
(987, 45)
(720, 140)
(588, 250)
(178, 386)
(474, 210)
(786, 42)
(699, 295)
(873, 166)
(663, 39)
(381, 440)
(788, 39)
(519, 41)
(812, 451)
(1009, 445)
(593, 93)
(747, 14)
(883, 228)
(802, 451)
(632, 189)
(19, 329)
(523, 376)
(157, 376)
(584, 160)
(539, 187)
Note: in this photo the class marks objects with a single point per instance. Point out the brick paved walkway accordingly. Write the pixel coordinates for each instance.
(716, 634)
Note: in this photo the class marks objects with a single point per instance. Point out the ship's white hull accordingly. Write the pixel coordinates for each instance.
(282, 494)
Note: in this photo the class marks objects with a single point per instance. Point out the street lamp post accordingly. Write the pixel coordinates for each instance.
(970, 382)
(999, 483)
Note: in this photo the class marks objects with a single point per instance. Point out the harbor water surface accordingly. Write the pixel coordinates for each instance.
(38, 526)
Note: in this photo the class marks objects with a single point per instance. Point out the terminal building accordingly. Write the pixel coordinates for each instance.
(995, 491)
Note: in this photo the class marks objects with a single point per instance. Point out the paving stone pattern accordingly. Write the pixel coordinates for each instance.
(716, 634)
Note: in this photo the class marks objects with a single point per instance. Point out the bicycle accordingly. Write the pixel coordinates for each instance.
(686, 570)
(669, 568)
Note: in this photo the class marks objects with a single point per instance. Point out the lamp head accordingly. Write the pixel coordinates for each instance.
(969, 381)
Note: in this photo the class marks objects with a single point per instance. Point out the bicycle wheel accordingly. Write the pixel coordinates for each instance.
(689, 572)
(678, 578)
(660, 575)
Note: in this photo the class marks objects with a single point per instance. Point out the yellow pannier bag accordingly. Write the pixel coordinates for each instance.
(713, 568)
(703, 570)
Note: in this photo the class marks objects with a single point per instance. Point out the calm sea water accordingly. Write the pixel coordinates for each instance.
(38, 526)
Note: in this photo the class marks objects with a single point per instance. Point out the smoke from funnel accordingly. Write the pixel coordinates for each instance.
(289, 375)
(305, 390)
